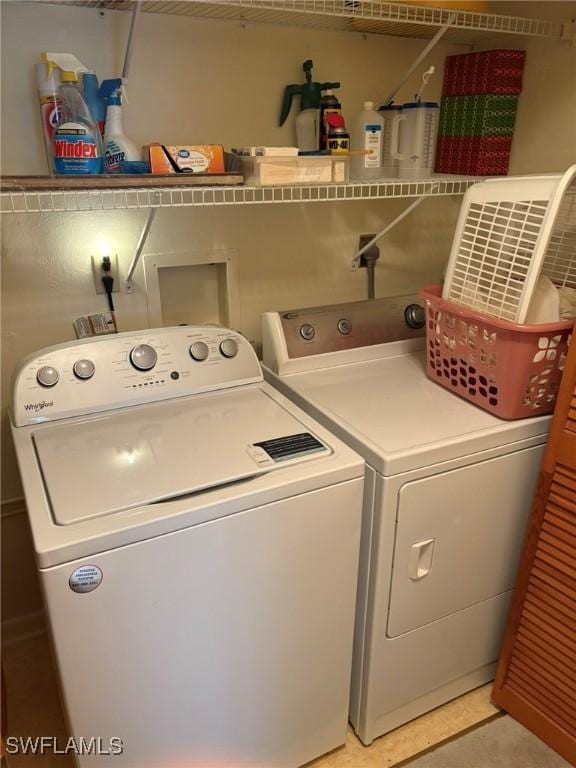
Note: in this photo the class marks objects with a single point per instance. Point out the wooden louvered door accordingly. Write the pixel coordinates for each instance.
(536, 678)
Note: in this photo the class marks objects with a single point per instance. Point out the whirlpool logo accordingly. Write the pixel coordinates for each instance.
(36, 407)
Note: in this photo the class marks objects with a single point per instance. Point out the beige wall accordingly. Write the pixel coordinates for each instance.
(545, 135)
(205, 81)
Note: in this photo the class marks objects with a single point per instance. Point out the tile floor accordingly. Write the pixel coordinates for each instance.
(500, 742)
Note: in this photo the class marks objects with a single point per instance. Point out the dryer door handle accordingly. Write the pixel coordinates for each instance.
(420, 559)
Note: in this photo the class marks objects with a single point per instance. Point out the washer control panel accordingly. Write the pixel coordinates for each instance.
(99, 374)
(317, 330)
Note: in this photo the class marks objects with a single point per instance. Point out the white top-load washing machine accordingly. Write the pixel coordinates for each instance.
(197, 537)
(448, 494)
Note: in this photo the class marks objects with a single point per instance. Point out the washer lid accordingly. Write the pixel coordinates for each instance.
(141, 455)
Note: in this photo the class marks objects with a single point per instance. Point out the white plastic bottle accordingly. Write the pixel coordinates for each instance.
(366, 136)
(308, 130)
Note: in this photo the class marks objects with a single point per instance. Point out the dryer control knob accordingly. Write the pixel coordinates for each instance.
(83, 369)
(199, 351)
(47, 376)
(415, 316)
(344, 326)
(143, 357)
(229, 347)
(307, 331)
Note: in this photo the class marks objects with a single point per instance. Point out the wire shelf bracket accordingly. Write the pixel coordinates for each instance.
(128, 283)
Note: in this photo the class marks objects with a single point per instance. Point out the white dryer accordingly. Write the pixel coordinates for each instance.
(197, 538)
(448, 494)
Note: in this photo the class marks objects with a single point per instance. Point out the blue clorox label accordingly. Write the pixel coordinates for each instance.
(75, 150)
(113, 156)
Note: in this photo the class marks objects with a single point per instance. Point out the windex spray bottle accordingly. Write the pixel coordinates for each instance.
(76, 142)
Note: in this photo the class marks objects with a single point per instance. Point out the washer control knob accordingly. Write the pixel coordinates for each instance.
(415, 316)
(307, 332)
(143, 357)
(199, 351)
(83, 369)
(344, 326)
(229, 347)
(47, 376)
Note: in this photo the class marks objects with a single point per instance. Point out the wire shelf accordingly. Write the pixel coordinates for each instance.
(55, 201)
(369, 16)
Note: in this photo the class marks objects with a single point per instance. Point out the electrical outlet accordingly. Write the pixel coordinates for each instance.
(98, 273)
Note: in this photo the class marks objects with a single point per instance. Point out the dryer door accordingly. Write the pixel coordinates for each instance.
(458, 538)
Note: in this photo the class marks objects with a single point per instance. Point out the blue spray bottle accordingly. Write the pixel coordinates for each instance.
(94, 101)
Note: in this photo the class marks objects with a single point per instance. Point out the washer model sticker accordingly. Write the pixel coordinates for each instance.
(290, 446)
(85, 579)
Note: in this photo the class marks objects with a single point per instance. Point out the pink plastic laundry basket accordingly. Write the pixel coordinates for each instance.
(510, 370)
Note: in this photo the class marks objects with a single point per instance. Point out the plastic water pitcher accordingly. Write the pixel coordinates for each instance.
(413, 139)
(389, 163)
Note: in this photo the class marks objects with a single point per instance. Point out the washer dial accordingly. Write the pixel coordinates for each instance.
(143, 357)
(47, 376)
(229, 347)
(84, 369)
(199, 351)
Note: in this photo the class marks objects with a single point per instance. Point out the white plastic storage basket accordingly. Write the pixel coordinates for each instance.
(509, 232)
